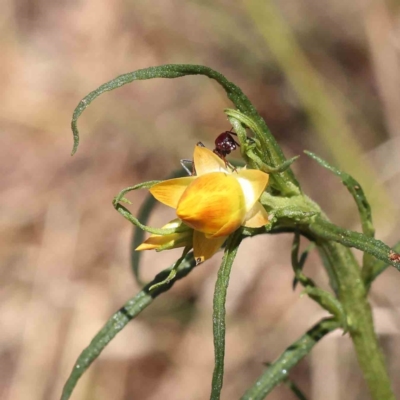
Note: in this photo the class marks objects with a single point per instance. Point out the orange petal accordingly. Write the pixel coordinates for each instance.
(204, 248)
(253, 183)
(213, 204)
(206, 161)
(256, 217)
(230, 226)
(169, 192)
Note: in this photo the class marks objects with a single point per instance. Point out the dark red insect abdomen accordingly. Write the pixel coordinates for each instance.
(224, 144)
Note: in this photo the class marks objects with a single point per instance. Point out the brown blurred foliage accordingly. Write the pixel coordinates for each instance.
(65, 251)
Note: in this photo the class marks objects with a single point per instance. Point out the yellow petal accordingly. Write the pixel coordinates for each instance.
(207, 161)
(173, 240)
(256, 217)
(154, 242)
(169, 192)
(204, 248)
(253, 183)
(213, 204)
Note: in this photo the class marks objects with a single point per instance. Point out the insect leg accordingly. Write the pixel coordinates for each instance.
(185, 162)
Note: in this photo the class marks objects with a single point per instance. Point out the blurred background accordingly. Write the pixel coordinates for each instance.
(325, 76)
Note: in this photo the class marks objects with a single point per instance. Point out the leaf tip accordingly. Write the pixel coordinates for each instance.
(76, 137)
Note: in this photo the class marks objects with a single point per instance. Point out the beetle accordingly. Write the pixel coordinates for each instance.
(224, 145)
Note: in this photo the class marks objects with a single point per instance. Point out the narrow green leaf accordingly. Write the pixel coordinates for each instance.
(329, 264)
(247, 121)
(120, 319)
(297, 264)
(173, 271)
(302, 260)
(143, 185)
(278, 371)
(355, 190)
(138, 236)
(170, 71)
(364, 209)
(267, 159)
(157, 231)
(378, 249)
(325, 299)
(221, 287)
(252, 160)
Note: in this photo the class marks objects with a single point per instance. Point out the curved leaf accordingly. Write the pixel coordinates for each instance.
(169, 71)
(355, 190)
(282, 178)
(364, 209)
(135, 221)
(378, 249)
(119, 320)
(376, 269)
(325, 299)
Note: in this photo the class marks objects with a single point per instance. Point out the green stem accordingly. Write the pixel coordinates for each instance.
(352, 293)
(221, 288)
(353, 296)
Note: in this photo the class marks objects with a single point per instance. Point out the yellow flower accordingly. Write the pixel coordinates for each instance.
(214, 203)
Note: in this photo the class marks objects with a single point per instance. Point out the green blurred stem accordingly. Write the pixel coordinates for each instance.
(352, 293)
(319, 98)
(353, 296)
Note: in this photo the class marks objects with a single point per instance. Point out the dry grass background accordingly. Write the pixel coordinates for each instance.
(65, 251)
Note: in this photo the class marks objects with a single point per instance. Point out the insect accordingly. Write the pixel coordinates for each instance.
(224, 145)
(394, 256)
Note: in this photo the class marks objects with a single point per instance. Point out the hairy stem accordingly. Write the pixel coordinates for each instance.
(221, 288)
(353, 296)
